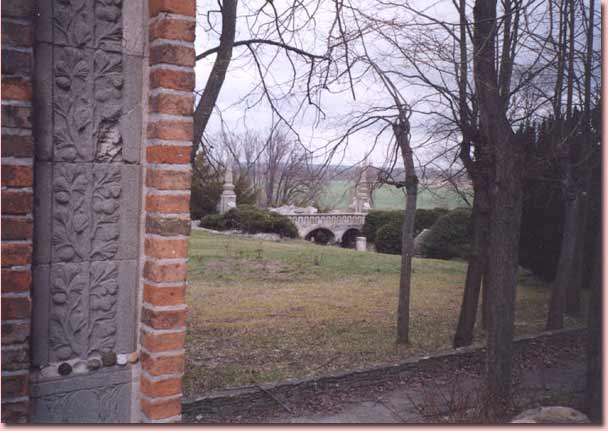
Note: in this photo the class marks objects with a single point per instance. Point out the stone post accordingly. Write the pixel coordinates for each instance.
(228, 197)
(361, 244)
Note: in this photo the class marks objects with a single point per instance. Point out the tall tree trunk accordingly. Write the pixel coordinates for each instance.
(564, 279)
(587, 171)
(205, 106)
(573, 291)
(561, 54)
(501, 275)
(594, 347)
(485, 298)
(505, 204)
(571, 49)
(557, 304)
(573, 234)
(475, 271)
(401, 131)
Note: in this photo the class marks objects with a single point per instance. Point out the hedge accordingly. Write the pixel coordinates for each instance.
(425, 218)
(250, 219)
(375, 219)
(388, 238)
(450, 236)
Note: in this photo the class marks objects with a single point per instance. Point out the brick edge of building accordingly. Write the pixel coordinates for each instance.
(17, 206)
(166, 196)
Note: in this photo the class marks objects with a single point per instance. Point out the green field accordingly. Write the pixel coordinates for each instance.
(338, 195)
(262, 311)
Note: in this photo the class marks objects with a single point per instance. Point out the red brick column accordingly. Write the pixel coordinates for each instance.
(17, 216)
(167, 197)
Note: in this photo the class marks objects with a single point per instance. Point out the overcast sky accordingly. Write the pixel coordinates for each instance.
(243, 78)
(241, 87)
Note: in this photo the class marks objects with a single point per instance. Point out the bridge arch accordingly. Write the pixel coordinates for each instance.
(349, 237)
(338, 224)
(321, 235)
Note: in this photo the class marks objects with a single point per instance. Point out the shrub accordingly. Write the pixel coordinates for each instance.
(388, 238)
(283, 226)
(425, 218)
(250, 219)
(375, 219)
(450, 236)
(213, 221)
(247, 218)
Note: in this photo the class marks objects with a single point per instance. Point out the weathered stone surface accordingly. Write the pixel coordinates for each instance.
(361, 244)
(88, 101)
(102, 397)
(551, 415)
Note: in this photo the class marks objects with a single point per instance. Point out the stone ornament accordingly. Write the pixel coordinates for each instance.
(86, 218)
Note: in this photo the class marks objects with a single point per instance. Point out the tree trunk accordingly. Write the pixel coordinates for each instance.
(506, 198)
(485, 299)
(401, 131)
(573, 291)
(501, 275)
(205, 106)
(594, 347)
(565, 267)
(475, 272)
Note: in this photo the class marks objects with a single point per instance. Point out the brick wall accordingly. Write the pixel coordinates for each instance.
(17, 218)
(166, 201)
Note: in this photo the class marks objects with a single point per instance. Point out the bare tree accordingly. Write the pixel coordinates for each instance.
(573, 131)
(436, 55)
(277, 27)
(360, 63)
(282, 171)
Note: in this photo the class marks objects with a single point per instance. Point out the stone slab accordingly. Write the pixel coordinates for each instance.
(102, 397)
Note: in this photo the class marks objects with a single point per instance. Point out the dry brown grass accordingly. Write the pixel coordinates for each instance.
(262, 311)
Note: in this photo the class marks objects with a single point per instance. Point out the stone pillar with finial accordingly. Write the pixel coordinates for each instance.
(228, 197)
(361, 201)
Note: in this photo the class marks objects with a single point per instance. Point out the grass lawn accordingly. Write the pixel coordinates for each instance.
(261, 311)
(339, 194)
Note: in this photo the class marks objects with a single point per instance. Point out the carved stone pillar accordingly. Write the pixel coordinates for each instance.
(228, 197)
(89, 62)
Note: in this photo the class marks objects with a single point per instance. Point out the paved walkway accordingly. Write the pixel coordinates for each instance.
(565, 383)
(548, 371)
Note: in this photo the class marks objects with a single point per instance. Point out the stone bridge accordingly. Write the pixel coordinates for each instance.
(338, 224)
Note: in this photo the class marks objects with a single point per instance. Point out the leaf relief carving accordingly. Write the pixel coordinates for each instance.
(72, 109)
(105, 230)
(102, 303)
(71, 21)
(108, 28)
(67, 320)
(108, 93)
(71, 218)
(96, 405)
